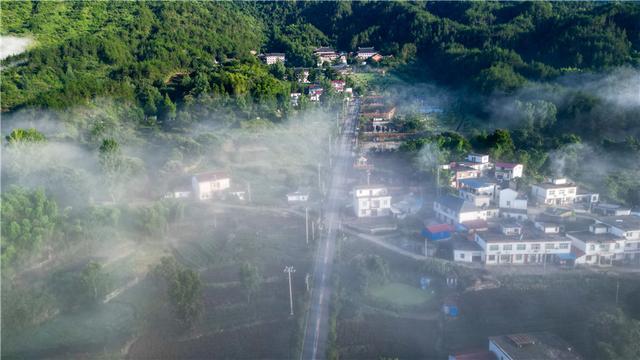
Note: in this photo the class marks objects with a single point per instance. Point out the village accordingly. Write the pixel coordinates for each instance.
(476, 213)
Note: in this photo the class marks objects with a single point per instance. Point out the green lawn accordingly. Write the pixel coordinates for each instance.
(399, 294)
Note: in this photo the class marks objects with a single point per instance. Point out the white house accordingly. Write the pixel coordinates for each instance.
(466, 251)
(298, 197)
(272, 58)
(315, 92)
(627, 227)
(478, 161)
(338, 85)
(455, 210)
(478, 191)
(556, 192)
(508, 171)
(547, 227)
(597, 246)
(295, 98)
(512, 204)
(206, 185)
(325, 54)
(371, 201)
(178, 193)
(513, 243)
(365, 53)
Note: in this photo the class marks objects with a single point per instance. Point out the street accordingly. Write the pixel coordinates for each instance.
(316, 326)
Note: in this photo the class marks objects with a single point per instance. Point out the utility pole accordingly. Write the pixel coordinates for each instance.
(289, 270)
(617, 290)
(306, 223)
(249, 191)
(319, 184)
(330, 149)
(313, 231)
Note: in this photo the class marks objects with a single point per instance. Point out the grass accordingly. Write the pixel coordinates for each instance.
(399, 294)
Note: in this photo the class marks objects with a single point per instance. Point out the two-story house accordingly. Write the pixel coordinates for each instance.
(206, 185)
(272, 58)
(555, 192)
(514, 243)
(480, 192)
(371, 201)
(508, 171)
(456, 210)
(461, 172)
(365, 53)
(512, 204)
(597, 246)
(325, 54)
(627, 227)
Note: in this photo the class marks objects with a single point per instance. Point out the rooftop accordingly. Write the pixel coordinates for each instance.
(535, 346)
(625, 222)
(550, 185)
(464, 245)
(589, 237)
(366, 49)
(476, 183)
(274, 54)
(455, 203)
(506, 165)
(324, 49)
(529, 234)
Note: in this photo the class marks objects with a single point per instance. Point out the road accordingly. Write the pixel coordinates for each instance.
(316, 328)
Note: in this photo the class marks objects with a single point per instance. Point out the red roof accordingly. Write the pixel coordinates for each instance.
(506, 165)
(439, 228)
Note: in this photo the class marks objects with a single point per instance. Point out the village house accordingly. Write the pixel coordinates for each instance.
(342, 69)
(362, 163)
(179, 192)
(378, 112)
(480, 192)
(597, 246)
(610, 210)
(547, 227)
(627, 227)
(302, 75)
(531, 346)
(466, 251)
(365, 53)
(512, 204)
(512, 243)
(508, 171)
(478, 162)
(315, 92)
(299, 196)
(338, 85)
(272, 58)
(461, 172)
(295, 99)
(207, 185)
(455, 210)
(555, 192)
(325, 54)
(371, 201)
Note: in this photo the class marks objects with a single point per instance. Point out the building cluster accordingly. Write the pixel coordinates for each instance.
(488, 221)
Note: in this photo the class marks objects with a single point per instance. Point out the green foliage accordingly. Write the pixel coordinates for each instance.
(29, 219)
(369, 270)
(614, 336)
(22, 136)
(183, 289)
(81, 289)
(249, 279)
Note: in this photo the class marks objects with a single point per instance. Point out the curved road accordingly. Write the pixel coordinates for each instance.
(317, 318)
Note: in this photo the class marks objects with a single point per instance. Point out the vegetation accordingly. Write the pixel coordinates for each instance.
(183, 289)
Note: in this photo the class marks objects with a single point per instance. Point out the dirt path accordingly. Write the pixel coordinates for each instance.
(376, 240)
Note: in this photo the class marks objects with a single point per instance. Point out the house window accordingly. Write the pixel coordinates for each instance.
(507, 247)
(462, 256)
(617, 245)
(508, 203)
(521, 247)
(592, 247)
(535, 246)
(564, 245)
(505, 258)
(492, 258)
(588, 257)
(549, 246)
(519, 257)
(494, 247)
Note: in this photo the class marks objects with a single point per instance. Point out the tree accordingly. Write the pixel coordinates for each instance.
(185, 295)
(117, 169)
(249, 279)
(613, 335)
(94, 283)
(370, 270)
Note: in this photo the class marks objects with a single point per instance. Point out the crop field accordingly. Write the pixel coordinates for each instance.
(399, 294)
(231, 326)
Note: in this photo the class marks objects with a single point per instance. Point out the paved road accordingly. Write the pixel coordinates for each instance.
(316, 326)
